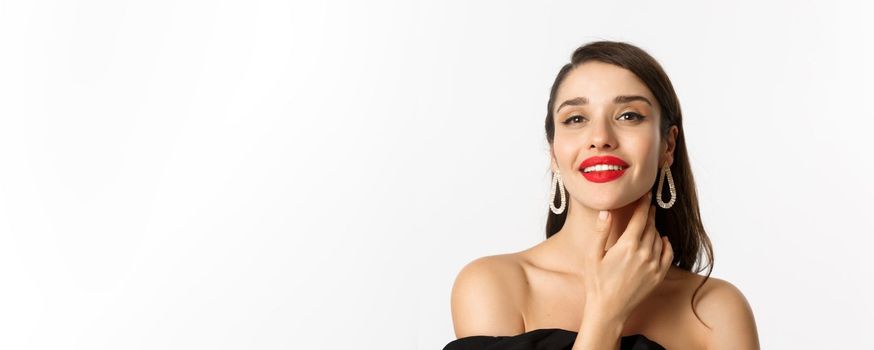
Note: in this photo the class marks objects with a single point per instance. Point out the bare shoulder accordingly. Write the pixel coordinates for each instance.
(726, 312)
(485, 297)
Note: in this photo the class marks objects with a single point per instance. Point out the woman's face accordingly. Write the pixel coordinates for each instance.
(592, 119)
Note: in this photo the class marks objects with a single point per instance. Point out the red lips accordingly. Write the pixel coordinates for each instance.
(606, 175)
(610, 160)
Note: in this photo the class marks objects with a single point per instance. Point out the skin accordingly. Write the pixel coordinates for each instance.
(603, 279)
(615, 282)
(600, 128)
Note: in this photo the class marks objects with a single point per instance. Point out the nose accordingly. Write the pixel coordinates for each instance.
(602, 136)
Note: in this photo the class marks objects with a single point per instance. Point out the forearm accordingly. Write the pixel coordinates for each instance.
(599, 331)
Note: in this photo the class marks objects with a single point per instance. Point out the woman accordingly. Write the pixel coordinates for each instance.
(614, 271)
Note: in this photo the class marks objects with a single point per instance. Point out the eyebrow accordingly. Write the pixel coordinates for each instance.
(579, 101)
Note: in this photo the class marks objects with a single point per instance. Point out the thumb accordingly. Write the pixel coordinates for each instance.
(602, 231)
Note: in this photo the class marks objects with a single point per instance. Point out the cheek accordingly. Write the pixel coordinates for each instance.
(565, 148)
(645, 150)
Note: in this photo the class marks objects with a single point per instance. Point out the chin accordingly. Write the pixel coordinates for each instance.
(613, 202)
(604, 204)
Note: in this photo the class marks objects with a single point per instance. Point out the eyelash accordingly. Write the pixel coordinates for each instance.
(637, 115)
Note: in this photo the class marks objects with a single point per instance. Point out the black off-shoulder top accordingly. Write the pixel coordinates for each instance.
(542, 339)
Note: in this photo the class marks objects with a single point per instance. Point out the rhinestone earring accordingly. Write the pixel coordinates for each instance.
(557, 183)
(666, 171)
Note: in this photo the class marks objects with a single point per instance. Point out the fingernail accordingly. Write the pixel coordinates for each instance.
(602, 215)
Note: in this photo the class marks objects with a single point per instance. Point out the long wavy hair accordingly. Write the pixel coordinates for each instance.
(682, 222)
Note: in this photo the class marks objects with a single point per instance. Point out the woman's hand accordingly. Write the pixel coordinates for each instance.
(617, 280)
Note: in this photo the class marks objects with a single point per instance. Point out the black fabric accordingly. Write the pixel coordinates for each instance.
(542, 339)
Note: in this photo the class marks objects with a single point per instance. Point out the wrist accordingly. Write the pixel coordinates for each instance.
(601, 325)
(598, 331)
(601, 320)
(598, 310)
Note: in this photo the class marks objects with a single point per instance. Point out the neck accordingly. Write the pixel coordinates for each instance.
(569, 244)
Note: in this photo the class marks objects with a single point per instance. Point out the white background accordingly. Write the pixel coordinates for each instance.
(278, 175)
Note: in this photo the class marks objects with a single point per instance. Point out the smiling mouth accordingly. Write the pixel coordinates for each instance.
(603, 167)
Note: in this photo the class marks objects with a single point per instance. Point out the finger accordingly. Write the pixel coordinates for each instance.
(634, 230)
(667, 255)
(611, 241)
(601, 232)
(649, 231)
(658, 242)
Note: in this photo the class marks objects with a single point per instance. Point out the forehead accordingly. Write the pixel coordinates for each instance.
(600, 82)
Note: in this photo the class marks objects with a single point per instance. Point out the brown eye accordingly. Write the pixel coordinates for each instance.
(635, 116)
(568, 120)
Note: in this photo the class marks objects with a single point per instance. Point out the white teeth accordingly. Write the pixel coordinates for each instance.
(601, 167)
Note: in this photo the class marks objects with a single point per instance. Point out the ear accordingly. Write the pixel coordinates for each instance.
(552, 162)
(553, 165)
(669, 144)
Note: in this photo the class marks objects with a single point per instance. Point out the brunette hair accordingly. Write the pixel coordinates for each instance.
(682, 222)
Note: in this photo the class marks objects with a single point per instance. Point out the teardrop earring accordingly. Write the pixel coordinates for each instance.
(666, 171)
(557, 184)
